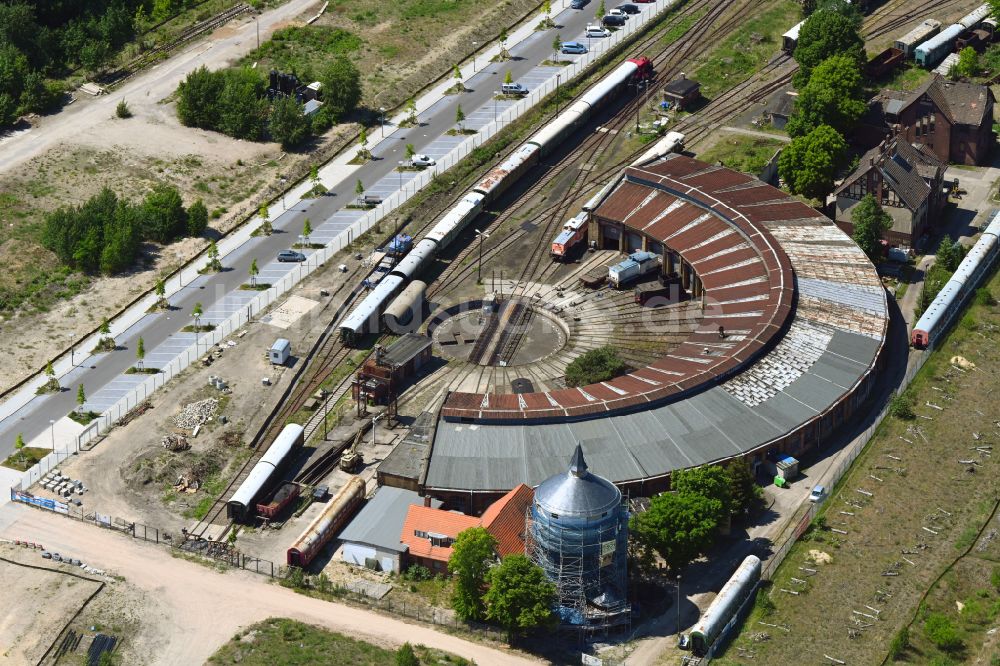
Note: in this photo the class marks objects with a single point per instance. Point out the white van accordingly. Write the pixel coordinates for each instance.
(513, 89)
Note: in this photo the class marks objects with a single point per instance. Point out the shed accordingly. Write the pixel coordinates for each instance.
(682, 92)
(280, 351)
(313, 91)
(372, 538)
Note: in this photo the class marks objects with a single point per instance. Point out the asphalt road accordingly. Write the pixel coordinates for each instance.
(103, 377)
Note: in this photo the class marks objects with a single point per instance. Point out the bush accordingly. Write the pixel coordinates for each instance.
(984, 297)
(597, 365)
(122, 110)
(417, 572)
(941, 632)
(900, 642)
(901, 406)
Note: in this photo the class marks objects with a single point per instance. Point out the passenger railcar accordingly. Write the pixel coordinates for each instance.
(914, 38)
(324, 526)
(241, 505)
(934, 50)
(953, 296)
(365, 317)
(726, 605)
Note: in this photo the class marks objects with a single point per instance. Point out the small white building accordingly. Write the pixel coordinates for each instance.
(280, 351)
(372, 538)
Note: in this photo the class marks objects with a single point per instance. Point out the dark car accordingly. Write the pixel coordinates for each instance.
(577, 4)
(291, 255)
(613, 20)
(629, 9)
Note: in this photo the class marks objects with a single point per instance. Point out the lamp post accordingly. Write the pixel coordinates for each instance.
(678, 606)
(475, 46)
(381, 119)
(52, 432)
(400, 172)
(558, 74)
(481, 235)
(374, 421)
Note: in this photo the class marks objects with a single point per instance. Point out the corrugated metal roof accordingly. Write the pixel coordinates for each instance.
(380, 522)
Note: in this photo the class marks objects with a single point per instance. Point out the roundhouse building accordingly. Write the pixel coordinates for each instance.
(793, 328)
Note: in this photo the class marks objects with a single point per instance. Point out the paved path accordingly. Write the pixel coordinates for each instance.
(196, 609)
(757, 133)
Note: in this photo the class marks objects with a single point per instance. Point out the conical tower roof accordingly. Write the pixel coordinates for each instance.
(577, 493)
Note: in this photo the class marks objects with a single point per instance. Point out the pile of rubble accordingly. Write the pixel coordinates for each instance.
(196, 414)
(173, 442)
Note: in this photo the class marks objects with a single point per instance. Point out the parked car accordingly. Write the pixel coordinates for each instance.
(422, 160)
(643, 1)
(573, 47)
(618, 11)
(513, 89)
(629, 8)
(577, 4)
(597, 31)
(614, 20)
(291, 255)
(817, 494)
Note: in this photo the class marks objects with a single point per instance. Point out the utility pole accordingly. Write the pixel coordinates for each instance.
(257, 23)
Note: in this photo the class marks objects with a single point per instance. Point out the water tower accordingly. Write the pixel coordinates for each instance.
(577, 533)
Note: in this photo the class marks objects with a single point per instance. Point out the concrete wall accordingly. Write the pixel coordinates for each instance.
(357, 553)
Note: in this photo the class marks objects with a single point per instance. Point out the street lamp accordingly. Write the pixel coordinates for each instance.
(678, 606)
(557, 92)
(481, 235)
(52, 432)
(381, 119)
(400, 175)
(475, 47)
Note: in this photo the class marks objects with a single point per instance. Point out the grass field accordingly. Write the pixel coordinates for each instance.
(290, 643)
(747, 49)
(749, 154)
(926, 508)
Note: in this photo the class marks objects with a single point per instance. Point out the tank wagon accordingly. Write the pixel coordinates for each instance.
(334, 516)
(934, 50)
(726, 606)
(241, 505)
(365, 317)
(949, 301)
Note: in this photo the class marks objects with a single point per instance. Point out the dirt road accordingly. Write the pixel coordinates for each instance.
(198, 609)
(144, 92)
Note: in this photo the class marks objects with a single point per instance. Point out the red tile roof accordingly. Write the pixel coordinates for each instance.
(504, 519)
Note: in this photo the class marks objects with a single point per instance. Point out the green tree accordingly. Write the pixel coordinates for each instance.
(196, 312)
(306, 231)
(556, 47)
(163, 214)
(197, 98)
(122, 110)
(410, 151)
(341, 87)
(520, 597)
(870, 221)
(601, 10)
(105, 328)
(254, 271)
(214, 263)
(265, 216)
(825, 34)
(411, 108)
(967, 65)
(471, 556)
(140, 353)
(162, 10)
(547, 13)
(242, 105)
(949, 254)
(197, 218)
(460, 119)
(81, 396)
(160, 289)
(359, 188)
(596, 365)
(314, 175)
(745, 495)
(901, 406)
(710, 482)
(456, 73)
(678, 526)
(508, 77)
(834, 96)
(809, 164)
(405, 656)
(363, 141)
(289, 125)
(50, 371)
(19, 446)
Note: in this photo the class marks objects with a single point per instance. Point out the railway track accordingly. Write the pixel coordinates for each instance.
(883, 22)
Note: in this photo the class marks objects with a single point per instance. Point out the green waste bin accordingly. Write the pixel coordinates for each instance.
(780, 481)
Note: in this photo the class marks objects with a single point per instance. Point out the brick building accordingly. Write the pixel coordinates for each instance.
(907, 180)
(953, 119)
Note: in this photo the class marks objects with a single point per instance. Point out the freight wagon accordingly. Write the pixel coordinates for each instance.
(324, 526)
(241, 505)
